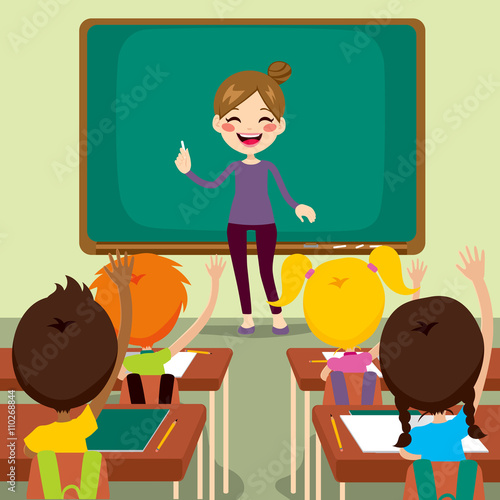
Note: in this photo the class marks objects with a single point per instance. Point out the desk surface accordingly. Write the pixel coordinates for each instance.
(205, 373)
(354, 466)
(169, 464)
(308, 374)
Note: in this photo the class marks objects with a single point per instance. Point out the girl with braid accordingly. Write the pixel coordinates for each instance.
(433, 356)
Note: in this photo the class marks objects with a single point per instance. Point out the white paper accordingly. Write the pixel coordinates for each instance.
(378, 433)
(179, 364)
(370, 368)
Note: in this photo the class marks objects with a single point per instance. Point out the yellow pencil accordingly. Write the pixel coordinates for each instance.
(198, 352)
(318, 361)
(166, 435)
(336, 432)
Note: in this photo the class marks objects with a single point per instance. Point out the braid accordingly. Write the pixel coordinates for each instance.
(404, 417)
(469, 410)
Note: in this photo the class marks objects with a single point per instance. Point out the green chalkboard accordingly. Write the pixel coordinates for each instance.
(351, 111)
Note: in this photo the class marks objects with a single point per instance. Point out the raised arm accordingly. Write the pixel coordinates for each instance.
(215, 271)
(417, 274)
(474, 270)
(120, 274)
(183, 164)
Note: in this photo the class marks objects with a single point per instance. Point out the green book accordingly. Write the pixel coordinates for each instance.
(126, 429)
(381, 412)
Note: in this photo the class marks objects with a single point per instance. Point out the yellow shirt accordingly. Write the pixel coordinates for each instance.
(63, 437)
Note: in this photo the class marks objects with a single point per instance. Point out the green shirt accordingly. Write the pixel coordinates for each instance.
(148, 363)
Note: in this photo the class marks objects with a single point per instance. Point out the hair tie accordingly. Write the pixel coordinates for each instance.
(309, 273)
(372, 267)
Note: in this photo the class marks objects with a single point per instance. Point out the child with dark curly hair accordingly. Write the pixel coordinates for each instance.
(65, 354)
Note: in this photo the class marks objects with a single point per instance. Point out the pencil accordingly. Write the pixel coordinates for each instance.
(166, 435)
(198, 352)
(318, 361)
(336, 432)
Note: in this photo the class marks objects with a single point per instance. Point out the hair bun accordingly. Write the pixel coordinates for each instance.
(279, 71)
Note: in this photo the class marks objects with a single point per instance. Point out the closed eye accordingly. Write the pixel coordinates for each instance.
(232, 119)
(266, 118)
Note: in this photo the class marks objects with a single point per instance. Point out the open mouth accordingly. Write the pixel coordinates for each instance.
(249, 139)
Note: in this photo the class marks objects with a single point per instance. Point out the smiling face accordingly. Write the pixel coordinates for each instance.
(250, 127)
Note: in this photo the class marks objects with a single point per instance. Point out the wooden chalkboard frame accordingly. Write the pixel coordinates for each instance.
(283, 248)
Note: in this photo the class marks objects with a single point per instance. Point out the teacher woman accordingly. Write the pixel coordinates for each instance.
(249, 108)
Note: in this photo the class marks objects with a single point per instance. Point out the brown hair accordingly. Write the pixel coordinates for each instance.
(240, 86)
(64, 348)
(431, 354)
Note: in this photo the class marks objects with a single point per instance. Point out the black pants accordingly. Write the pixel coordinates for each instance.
(265, 236)
(136, 390)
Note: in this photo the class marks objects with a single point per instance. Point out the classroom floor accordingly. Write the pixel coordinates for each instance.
(259, 421)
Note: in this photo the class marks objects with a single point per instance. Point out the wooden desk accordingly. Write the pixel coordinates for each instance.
(354, 466)
(307, 376)
(169, 464)
(207, 372)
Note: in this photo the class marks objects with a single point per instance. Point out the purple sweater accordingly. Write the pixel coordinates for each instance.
(251, 204)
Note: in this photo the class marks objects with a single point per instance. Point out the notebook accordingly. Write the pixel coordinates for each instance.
(381, 412)
(378, 433)
(114, 429)
(339, 354)
(178, 365)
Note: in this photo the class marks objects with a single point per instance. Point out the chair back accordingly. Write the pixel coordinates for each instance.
(151, 387)
(54, 475)
(443, 480)
(353, 389)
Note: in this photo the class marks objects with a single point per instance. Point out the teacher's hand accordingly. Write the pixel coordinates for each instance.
(183, 161)
(305, 211)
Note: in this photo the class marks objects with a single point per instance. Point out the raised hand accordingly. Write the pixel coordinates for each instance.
(305, 211)
(183, 161)
(417, 272)
(120, 274)
(474, 266)
(215, 270)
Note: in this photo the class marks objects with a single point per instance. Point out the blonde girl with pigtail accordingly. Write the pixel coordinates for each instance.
(343, 304)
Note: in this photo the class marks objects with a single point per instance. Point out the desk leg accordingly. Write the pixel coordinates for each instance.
(225, 435)
(293, 434)
(176, 490)
(200, 467)
(211, 444)
(342, 491)
(318, 468)
(307, 447)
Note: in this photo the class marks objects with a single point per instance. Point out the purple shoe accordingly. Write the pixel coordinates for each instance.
(246, 331)
(281, 331)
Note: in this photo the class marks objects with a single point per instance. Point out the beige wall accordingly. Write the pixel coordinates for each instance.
(39, 211)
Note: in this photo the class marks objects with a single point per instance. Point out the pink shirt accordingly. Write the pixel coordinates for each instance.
(350, 362)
